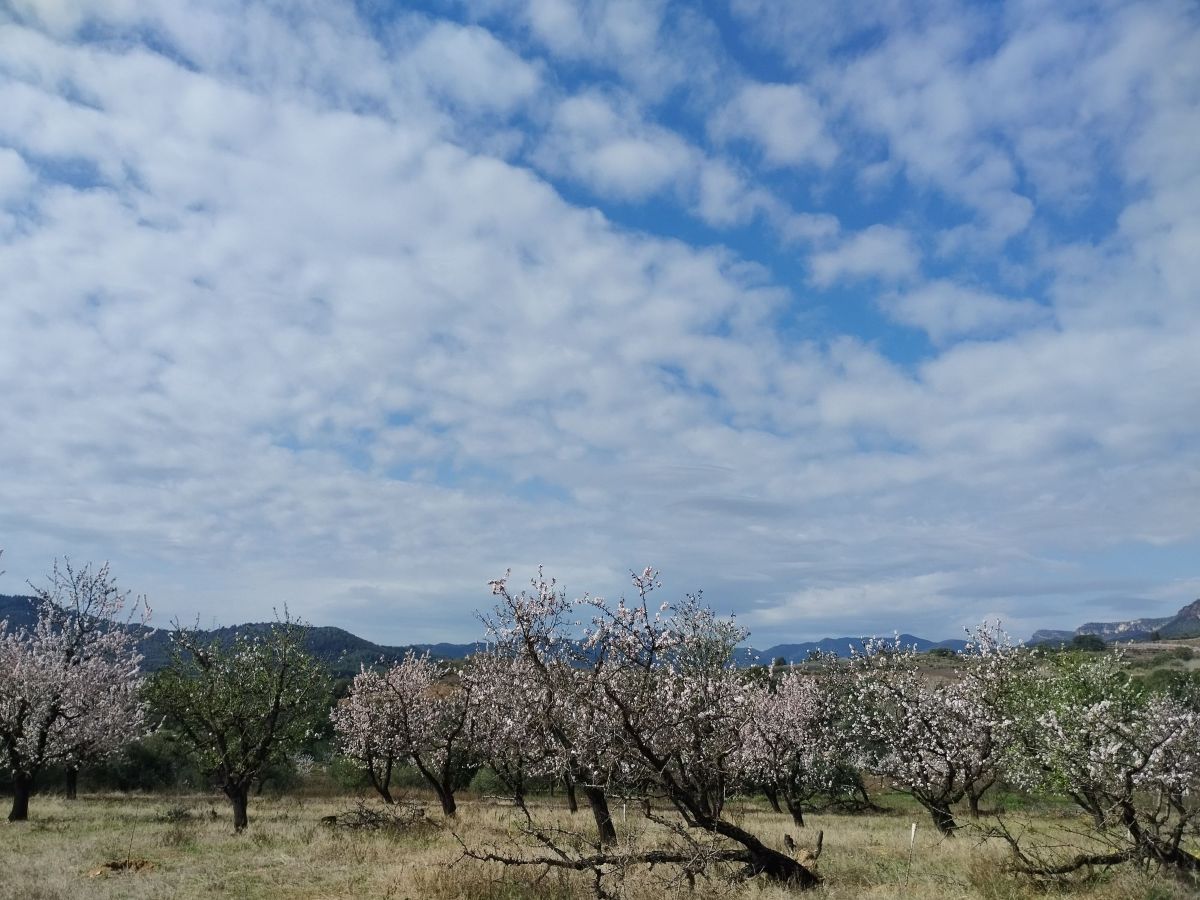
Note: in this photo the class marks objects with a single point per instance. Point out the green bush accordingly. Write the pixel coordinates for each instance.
(347, 774)
(488, 782)
(156, 762)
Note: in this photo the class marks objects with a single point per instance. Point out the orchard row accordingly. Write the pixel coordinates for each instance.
(630, 699)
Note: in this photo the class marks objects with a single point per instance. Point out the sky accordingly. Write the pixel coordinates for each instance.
(858, 316)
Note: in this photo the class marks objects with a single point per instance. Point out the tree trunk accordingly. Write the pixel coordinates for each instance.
(382, 784)
(796, 811)
(572, 800)
(239, 797)
(383, 790)
(772, 796)
(72, 783)
(605, 829)
(859, 790)
(973, 804)
(22, 788)
(443, 786)
(763, 860)
(943, 819)
(449, 807)
(975, 792)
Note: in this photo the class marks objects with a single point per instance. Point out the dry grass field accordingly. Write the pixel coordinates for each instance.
(120, 846)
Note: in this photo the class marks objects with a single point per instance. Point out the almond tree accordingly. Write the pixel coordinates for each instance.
(664, 704)
(936, 741)
(368, 730)
(510, 737)
(411, 712)
(794, 743)
(534, 626)
(70, 685)
(1128, 758)
(681, 705)
(244, 706)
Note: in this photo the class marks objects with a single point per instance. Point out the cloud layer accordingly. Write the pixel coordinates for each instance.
(353, 310)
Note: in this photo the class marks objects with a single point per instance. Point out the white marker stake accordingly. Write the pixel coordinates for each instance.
(912, 842)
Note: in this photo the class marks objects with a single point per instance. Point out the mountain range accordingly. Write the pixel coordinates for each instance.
(1185, 623)
(344, 652)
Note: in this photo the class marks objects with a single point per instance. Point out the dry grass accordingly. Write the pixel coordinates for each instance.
(189, 850)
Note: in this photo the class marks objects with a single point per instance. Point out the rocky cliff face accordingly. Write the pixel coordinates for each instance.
(1124, 630)
(1185, 623)
(1191, 612)
(1051, 636)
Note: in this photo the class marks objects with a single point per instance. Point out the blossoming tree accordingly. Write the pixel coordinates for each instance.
(663, 703)
(69, 685)
(559, 681)
(794, 743)
(410, 712)
(939, 741)
(368, 730)
(1128, 757)
(244, 706)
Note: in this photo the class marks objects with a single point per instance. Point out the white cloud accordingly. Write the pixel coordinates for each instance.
(808, 34)
(610, 145)
(289, 315)
(641, 41)
(469, 66)
(919, 91)
(880, 251)
(945, 311)
(64, 16)
(784, 121)
(15, 177)
(612, 150)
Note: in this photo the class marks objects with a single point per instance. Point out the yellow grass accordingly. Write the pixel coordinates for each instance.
(288, 852)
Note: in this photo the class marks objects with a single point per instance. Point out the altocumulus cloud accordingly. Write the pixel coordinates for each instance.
(353, 308)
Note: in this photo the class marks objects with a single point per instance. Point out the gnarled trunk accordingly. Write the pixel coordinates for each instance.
(605, 828)
(943, 819)
(239, 798)
(22, 788)
(72, 783)
(975, 792)
(796, 811)
(973, 805)
(382, 782)
(762, 859)
(572, 800)
(443, 786)
(772, 796)
(446, 796)
(759, 858)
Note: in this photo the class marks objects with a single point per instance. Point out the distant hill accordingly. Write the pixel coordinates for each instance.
(1185, 623)
(345, 653)
(342, 651)
(1051, 636)
(795, 653)
(19, 611)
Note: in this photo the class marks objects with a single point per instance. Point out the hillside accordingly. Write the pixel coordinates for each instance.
(795, 653)
(345, 653)
(342, 651)
(1185, 623)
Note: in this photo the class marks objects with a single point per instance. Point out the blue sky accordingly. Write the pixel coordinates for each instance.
(859, 316)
